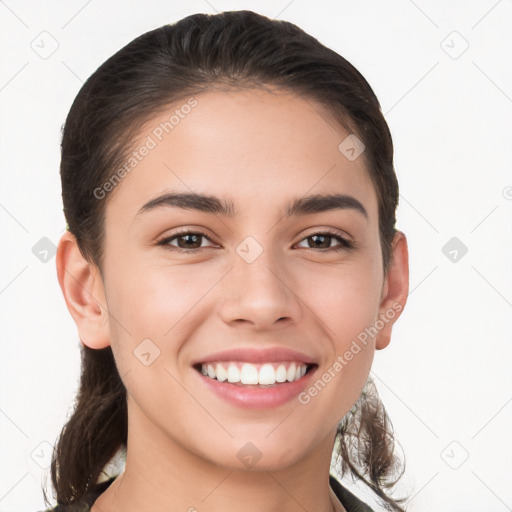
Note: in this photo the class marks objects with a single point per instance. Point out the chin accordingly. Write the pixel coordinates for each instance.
(257, 453)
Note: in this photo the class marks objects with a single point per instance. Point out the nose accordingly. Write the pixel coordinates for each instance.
(260, 294)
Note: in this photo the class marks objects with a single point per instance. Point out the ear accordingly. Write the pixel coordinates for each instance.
(395, 289)
(82, 286)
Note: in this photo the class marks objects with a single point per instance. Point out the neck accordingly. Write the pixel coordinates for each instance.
(160, 474)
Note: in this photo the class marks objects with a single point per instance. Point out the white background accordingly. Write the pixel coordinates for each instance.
(446, 377)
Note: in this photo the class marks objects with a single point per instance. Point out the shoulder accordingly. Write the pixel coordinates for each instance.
(85, 504)
(351, 502)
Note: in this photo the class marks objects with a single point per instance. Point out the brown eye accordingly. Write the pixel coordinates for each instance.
(187, 241)
(190, 241)
(323, 241)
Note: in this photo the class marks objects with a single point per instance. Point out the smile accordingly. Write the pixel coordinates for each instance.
(244, 373)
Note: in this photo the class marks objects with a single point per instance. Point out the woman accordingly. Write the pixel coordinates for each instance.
(232, 264)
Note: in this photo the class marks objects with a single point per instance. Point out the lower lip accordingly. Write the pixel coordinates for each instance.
(249, 397)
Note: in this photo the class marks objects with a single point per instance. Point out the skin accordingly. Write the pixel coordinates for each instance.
(259, 149)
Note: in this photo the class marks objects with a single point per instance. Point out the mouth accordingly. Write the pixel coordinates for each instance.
(252, 375)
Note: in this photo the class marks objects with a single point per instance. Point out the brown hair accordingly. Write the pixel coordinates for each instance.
(201, 52)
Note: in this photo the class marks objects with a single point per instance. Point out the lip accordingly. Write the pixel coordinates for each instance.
(249, 397)
(257, 355)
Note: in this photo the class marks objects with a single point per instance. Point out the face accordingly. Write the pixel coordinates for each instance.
(276, 287)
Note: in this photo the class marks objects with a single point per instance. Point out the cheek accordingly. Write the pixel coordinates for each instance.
(346, 301)
(150, 308)
(346, 298)
(154, 302)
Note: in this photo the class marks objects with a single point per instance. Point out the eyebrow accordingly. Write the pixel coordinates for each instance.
(212, 204)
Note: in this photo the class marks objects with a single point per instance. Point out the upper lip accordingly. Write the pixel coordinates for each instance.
(257, 355)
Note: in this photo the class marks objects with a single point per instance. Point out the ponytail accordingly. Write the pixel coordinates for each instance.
(96, 430)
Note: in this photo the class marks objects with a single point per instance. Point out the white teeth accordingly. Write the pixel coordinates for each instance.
(221, 374)
(281, 373)
(233, 374)
(249, 374)
(267, 375)
(290, 374)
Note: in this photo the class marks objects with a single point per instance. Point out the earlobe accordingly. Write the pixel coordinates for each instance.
(395, 290)
(82, 287)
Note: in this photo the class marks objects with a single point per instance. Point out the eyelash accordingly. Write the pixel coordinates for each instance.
(344, 243)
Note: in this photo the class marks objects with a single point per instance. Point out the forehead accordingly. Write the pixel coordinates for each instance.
(241, 144)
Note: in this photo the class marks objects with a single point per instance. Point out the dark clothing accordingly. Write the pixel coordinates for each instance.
(348, 500)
